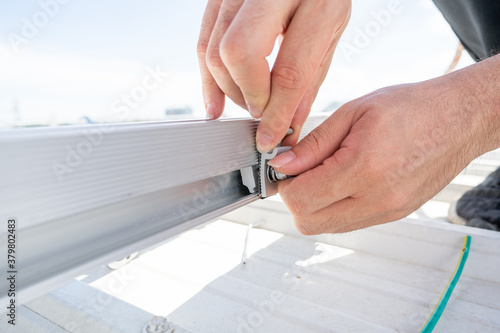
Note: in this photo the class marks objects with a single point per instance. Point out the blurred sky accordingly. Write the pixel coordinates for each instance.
(91, 52)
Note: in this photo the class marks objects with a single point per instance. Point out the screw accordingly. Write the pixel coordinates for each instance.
(159, 324)
(274, 176)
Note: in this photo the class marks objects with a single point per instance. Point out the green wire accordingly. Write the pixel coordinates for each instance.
(445, 296)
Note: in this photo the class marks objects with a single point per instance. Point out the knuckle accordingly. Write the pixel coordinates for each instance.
(295, 206)
(317, 139)
(201, 48)
(233, 52)
(339, 224)
(213, 59)
(288, 78)
(305, 227)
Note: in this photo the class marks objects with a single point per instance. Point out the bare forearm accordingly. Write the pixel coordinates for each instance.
(478, 91)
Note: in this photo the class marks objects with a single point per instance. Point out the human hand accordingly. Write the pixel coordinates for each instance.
(235, 38)
(382, 156)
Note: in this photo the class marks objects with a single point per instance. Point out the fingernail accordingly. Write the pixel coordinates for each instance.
(264, 143)
(210, 111)
(254, 112)
(282, 159)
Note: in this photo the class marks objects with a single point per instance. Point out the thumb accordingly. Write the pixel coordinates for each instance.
(317, 146)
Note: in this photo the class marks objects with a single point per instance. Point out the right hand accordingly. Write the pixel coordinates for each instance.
(382, 156)
(235, 39)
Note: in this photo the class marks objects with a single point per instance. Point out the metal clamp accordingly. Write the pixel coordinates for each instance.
(263, 174)
(268, 176)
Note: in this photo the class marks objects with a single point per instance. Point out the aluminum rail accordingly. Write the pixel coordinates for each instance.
(84, 196)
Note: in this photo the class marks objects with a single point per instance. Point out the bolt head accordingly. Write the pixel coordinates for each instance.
(158, 324)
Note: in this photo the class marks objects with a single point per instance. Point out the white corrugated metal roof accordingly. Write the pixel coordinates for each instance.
(297, 284)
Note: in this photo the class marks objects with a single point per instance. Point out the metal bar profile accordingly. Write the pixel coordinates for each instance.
(83, 196)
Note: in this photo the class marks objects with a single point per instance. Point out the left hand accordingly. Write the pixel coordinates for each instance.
(235, 39)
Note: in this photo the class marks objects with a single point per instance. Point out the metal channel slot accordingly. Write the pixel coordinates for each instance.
(84, 196)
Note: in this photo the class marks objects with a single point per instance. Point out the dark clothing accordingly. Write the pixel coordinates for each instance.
(476, 23)
(481, 205)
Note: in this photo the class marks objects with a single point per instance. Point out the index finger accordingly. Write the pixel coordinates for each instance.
(318, 188)
(248, 41)
(305, 45)
(213, 96)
